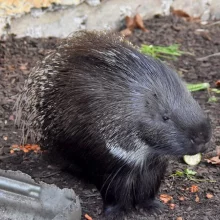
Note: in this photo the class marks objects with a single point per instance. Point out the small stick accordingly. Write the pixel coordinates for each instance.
(214, 23)
(207, 57)
(7, 156)
(48, 175)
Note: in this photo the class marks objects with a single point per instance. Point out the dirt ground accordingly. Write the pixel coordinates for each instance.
(18, 56)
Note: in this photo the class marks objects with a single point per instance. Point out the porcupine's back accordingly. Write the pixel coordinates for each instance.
(87, 79)
(97, 88)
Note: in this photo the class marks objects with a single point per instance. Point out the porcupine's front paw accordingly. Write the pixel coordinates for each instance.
(152, 206)
(113, 213)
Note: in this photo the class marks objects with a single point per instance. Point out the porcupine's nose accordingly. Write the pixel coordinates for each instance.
(200, 143)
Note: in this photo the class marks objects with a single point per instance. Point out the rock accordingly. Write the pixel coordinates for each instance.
(61, 23)
(93, 2)
(71, 15)
(23, 199)
(215, 10)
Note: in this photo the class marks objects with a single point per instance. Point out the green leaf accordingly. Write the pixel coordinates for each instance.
(179, 173)
(197, 87)
(212, 99)
(167, 52)
(216, 90)
(190, 172)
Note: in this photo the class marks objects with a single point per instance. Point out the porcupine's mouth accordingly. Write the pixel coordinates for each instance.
(201, 148)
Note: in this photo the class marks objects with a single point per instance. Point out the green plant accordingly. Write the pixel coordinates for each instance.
(197, 87)
(168, 52)
(189, 174)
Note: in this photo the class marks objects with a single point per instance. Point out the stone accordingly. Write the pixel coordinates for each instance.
(93, 2)
(110, 14)
(215, 10)
(23, 199)
(68, 16)
(60, 23)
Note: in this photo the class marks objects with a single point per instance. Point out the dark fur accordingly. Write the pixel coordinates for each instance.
(104, 90)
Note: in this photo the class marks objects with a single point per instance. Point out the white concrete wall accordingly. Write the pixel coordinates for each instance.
(72, 15)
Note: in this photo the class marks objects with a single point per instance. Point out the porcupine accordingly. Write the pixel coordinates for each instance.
(114, 112)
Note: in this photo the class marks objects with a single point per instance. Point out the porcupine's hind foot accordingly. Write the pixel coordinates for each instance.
(150, 207)
(114, 212)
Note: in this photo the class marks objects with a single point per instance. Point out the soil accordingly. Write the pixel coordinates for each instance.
(18, 56)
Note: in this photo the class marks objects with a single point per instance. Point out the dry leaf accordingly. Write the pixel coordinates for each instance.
(206, 36)
(181, 198)
(165, 198)
(217, 83)
(23, 66)
(184, 15)
(11, 118)
(172, 206)
(130, 22)
(25, 148)
(209, 195)
(218, 150)
(139, 22)
(179, 218)
(197, 198)
(126, 32)
(179, 13)
(88, 217)
(214, 160)
(194, 188)
(5, 138)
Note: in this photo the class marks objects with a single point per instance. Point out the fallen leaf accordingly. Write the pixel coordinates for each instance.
(179, 218)
(130, 22)
(209, 195)
(206, 36)
(172, 206)
(214, 160)
(218, 150)
(139, 22)
(183, 14)
(197, 198)
(181, 198)
(11, 118)
(25, 148)
(10, 68)
(126, 32)
(194, 188)
(23, 66)
(165, 198)
(217, 83)
(88, 217)
(180, 13)
(5, 138)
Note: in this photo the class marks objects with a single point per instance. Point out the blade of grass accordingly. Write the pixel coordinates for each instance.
(197, 87)
(169, 52)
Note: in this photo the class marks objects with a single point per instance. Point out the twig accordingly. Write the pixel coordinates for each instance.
(7, 156)
(207, 57)
(92, 195)
(48, 175)
(214, 23)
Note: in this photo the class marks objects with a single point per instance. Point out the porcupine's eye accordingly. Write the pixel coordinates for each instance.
(165, 118)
